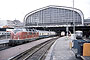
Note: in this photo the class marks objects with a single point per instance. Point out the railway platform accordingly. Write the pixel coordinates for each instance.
(60, 50)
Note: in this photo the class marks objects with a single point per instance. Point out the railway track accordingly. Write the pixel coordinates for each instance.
(5, 45)
(36, 53)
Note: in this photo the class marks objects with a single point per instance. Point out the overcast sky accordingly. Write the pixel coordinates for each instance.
(17, 9)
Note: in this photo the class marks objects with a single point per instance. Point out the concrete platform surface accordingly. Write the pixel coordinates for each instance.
(60, 50)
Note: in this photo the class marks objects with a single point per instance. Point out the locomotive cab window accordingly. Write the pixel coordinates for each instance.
(34, 33)
(30, 33)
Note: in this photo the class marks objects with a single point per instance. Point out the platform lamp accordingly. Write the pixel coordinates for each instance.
(73, 21)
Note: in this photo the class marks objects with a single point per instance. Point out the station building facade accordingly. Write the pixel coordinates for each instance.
(54, 15)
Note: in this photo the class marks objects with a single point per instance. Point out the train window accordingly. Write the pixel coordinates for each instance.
(34, 33)
(29, 30)
(0, 33)
(15, 31)
(30, 33)
(3, 33)
(27, 33)
(37, 33)
(48, 33)
(40, 33)
(7, 33)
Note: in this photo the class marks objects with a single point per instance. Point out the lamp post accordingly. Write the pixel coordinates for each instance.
(73, 21)
(67, 29)
(67, 24)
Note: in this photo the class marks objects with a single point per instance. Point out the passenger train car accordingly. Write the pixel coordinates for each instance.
(7, 32)
(4, 33)
(43, 34)
(19, 36)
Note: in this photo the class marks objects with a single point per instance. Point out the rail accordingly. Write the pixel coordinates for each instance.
(35, 53)
(85, 57)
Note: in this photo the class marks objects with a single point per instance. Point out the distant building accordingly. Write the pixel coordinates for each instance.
(17, 23)
(54, 15)
(5, 23)
(10, 24)
(87, 22)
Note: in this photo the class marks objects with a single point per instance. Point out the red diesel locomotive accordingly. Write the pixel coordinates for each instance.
(19, 36)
